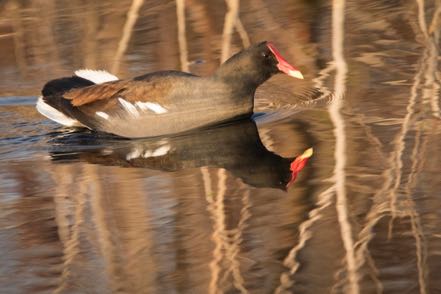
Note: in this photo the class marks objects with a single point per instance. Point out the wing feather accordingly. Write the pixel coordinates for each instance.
(95, 93)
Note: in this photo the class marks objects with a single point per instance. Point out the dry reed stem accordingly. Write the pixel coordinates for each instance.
(132, 16)
(182, 40)
(229, 24)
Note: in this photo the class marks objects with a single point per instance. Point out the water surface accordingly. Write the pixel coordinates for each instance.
(210, 213)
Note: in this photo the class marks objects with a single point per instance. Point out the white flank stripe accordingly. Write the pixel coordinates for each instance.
(129, 107)
(147, 153)
(160, 151)
(106, 151)
(96, 76)
(102, 114)
(55, 115)
(135, 153)
(155, 107)
(163, 150)
(141, 105)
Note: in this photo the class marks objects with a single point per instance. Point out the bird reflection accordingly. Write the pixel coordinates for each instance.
(235, 147)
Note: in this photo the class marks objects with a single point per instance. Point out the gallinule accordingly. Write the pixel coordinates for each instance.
(164, 102)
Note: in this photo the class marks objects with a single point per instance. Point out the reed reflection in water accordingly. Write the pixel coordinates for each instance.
(210, 211)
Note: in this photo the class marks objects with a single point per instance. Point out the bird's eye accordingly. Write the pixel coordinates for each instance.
(265, 54)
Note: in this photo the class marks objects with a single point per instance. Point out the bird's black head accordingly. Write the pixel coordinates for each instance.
(271, 60)
(254, 65)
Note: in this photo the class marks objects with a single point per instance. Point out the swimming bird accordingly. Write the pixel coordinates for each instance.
(164, 102)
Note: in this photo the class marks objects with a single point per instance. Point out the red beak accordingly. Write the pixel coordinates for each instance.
(283, 65)
(298, 164)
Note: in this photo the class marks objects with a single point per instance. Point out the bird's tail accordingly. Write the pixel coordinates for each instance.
(52, 103)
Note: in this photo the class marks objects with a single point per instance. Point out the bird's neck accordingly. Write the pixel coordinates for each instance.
(241, 75)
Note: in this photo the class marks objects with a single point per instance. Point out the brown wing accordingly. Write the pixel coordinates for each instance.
(132, 90)
(82, 96)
